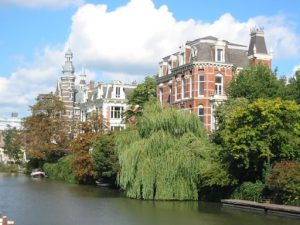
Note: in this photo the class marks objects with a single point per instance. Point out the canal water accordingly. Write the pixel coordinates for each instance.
(45, 202)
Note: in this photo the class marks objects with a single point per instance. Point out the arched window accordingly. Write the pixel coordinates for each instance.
(201, 113)
(219, 84)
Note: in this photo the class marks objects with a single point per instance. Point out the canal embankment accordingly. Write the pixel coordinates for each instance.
(265, 207)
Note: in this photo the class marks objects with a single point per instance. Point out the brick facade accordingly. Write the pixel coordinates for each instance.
(195, 78)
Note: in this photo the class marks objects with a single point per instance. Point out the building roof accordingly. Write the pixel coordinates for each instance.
(257, 43)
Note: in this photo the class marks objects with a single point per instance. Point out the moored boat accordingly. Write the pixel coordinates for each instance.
(37, 173)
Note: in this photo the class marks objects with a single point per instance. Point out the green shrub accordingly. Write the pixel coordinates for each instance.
(249, 191)
(8, 168)
(284, 182)
(62, 170)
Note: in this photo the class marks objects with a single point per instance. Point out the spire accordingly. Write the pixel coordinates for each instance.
(68, 68)
(82, 76)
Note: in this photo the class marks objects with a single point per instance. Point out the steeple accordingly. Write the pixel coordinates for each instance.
(68, 68)
(257, 51)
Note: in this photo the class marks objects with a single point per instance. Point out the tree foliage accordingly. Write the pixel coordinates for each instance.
(258, 133)
(61, 170)
(293, 88)
(44, 134)
(143, 92)
(12, 145)
(284, 181)
(167, 156)
(104, 157)
(257, 81)
(81, 147)
(249, 191)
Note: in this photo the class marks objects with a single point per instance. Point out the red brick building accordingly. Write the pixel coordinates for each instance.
(195, 77)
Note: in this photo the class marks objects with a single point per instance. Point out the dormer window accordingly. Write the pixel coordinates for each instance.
(118, 92)
(220, 55)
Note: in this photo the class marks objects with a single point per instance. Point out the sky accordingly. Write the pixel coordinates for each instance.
(125, 39)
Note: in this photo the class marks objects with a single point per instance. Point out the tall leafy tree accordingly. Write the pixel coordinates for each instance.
(44, 134)
(258, 133)
(105, 158)
(81, 146)
(12, 145)
(143, 92)
(255, 82)
(167, 156)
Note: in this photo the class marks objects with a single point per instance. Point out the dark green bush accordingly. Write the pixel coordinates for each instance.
(249, 191)
(62, 170)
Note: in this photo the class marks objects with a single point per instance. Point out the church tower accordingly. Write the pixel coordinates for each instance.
(66, 85)
(257, 52)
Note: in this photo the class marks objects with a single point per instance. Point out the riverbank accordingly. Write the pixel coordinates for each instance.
(4, 168)
(265, 207)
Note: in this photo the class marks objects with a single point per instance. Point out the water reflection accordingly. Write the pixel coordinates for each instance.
(46, 202)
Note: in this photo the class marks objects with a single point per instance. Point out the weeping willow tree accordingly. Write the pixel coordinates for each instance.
(167, 156)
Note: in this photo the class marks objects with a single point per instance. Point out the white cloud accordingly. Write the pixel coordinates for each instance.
(42, 3)
(296, 68)
(128, 42)
(125, 77)
(134, 38)
(19, 90)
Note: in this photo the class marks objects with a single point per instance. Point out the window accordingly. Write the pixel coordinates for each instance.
(170, 94)
(116, 128)
(220, 55)
(178, 90)
(219, 84)
(116, 112)
(184, 87)
(201, 84)
(201, 113)
(118, 92)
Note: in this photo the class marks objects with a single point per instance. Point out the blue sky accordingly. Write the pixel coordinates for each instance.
(126, 39)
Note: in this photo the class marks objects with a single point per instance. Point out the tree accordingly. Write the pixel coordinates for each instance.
(81, 147)
(258, 133)
(284, 181)
(45, 133)
(293, 88)
(12, 145)
(143, 92)
(104, 157)
(255, 82)
(167, 156)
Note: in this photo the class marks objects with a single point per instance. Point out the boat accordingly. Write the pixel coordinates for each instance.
(102, 183)
(37, 173)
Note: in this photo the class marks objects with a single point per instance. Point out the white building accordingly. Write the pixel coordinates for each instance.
(81, 99)
(110, 100)
(7, 123)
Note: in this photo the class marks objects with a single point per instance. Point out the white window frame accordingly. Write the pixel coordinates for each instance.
(201, 116)
(118, 92)
(199, 84)
(116, 114)
(219, 87)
